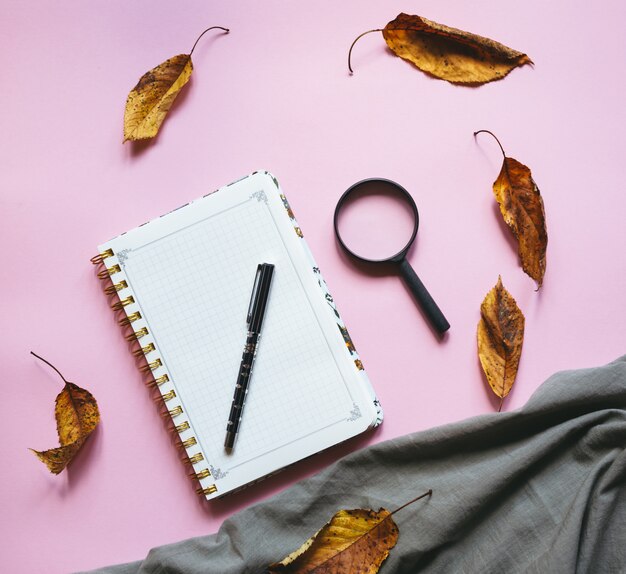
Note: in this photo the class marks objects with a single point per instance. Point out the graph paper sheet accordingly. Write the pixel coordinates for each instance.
(190, 275)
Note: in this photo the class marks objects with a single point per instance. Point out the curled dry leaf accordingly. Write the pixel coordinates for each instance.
(500, 338)
(150, 100)
(353, 541)
(522, 208)
(453, 55)
(77, 415)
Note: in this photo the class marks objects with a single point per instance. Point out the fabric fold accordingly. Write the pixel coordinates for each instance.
(538, 490)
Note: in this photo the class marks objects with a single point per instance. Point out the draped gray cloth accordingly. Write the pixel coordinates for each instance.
(541, 490)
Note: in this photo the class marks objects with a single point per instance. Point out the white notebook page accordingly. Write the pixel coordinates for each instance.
(193, 288)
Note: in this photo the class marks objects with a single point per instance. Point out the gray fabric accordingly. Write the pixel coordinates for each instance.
(542, 489)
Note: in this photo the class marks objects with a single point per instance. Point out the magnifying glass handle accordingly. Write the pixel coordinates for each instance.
(426, 302)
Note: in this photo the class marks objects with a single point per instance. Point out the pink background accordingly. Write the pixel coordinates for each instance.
(276, 94)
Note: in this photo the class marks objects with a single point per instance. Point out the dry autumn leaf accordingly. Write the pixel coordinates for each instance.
(353, 541)
(77, 415)
(453, 55)
(500, 337)
(150, 100)
(522, 208)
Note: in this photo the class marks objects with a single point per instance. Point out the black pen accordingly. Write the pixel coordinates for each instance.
(254, 319)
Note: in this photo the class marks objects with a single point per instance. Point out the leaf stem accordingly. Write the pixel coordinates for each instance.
(493, 136)
(427, 493)
(226, 30)
(51, 365)
(355, 41)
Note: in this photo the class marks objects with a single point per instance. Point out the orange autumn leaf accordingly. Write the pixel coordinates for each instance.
(353, 541)
(149, 102)
(77, 415)
(500, 337)
(447, 53)
(523, 211)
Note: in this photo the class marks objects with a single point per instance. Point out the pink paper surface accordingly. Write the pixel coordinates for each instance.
(276, 94)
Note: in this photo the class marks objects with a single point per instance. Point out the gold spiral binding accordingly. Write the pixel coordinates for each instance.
(182, 427)
(204, 473)
(129, 319)
(174, 412)
(137, 334)
(162, 398)
(198, 457)
(144, 350)
(106, 273)
(151, 366)
(169, 396)
(162, 379)
(139, 351)
(97, 259)
(208, 490)
(190, 442)
(112, 289)
(122, 303)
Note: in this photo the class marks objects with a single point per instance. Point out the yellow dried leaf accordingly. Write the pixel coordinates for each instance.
(150, 100)
(447, 53)
(500, 337)
(77, 415)
(56, 459)
(352, 536)
(353, 541)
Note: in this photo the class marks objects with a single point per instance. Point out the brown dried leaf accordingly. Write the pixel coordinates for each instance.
(522, 208)
(453, 55)
(500, 337)
(150, 100)
(77, 415)
(353, 541)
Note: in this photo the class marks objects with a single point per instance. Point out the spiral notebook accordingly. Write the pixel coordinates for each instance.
(181, 284)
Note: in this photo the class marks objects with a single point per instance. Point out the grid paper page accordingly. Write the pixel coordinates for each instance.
(193, 287)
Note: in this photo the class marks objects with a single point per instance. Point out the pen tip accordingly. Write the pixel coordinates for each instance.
(229, 441)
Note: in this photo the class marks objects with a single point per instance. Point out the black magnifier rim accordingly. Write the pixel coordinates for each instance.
(416, 218)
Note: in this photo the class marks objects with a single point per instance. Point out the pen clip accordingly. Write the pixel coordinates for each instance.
(255, 289)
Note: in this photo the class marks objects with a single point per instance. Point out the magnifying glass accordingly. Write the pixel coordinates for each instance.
(376, 221)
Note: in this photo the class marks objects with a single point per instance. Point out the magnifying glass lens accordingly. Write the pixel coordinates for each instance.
(376, 221)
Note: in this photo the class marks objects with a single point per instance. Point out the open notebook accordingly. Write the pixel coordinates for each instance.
(182, 284)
